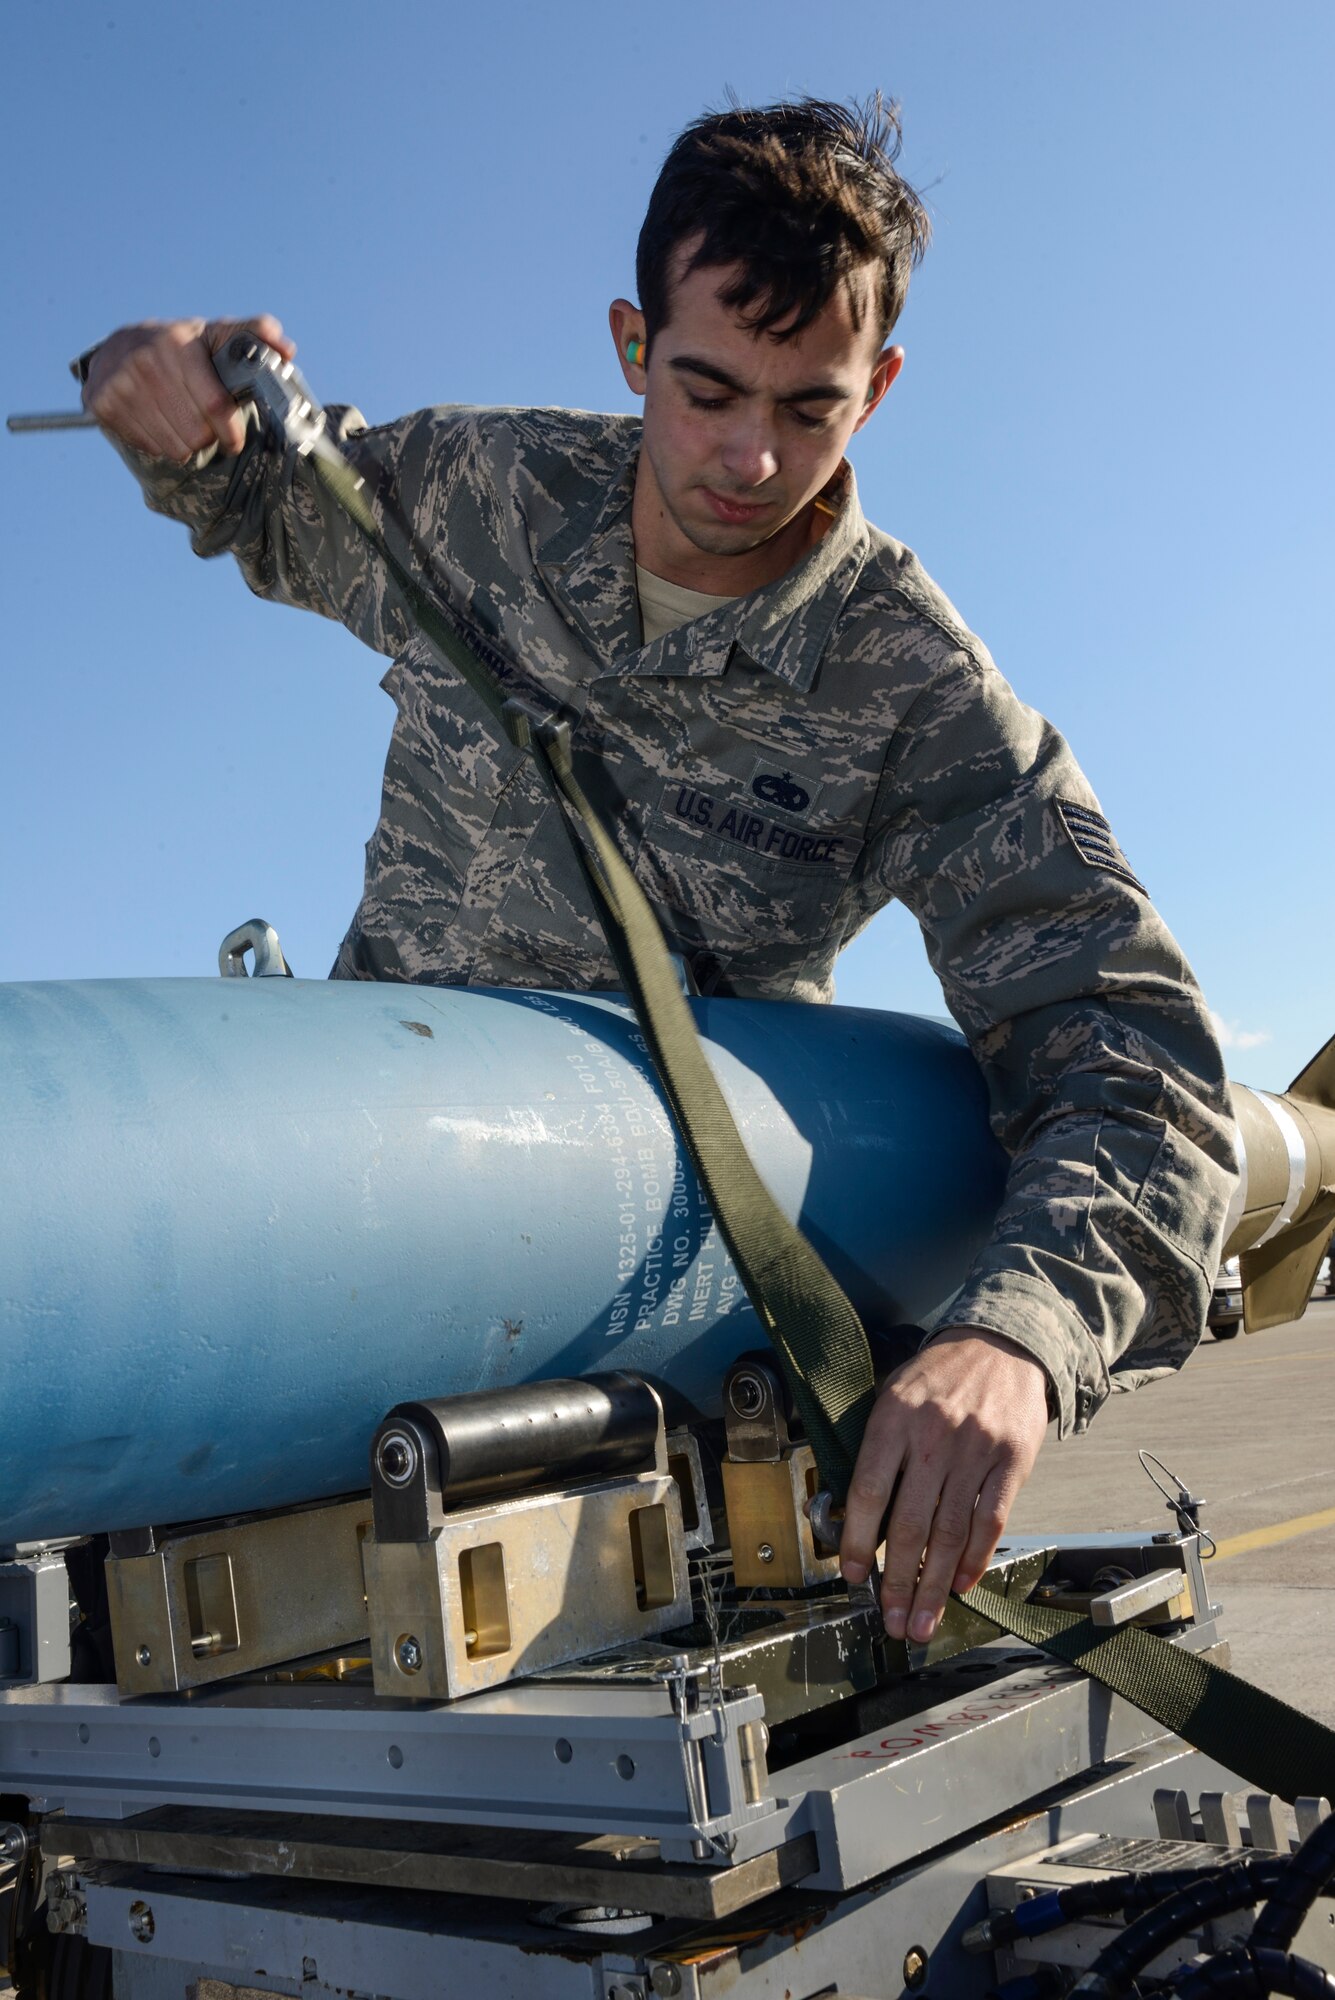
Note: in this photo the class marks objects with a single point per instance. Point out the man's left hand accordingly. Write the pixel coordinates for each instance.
(953, 1436)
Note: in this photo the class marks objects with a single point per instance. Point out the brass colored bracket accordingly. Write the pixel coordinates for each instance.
(203, 1604)
(772, 1543)
(514, 1586)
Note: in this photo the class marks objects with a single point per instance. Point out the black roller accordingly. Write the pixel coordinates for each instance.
(434, 1454)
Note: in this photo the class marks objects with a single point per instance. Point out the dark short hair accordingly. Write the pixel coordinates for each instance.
(800, 198)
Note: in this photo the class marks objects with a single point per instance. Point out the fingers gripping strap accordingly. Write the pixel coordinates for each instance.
(1273, 1746)
(815, 1331)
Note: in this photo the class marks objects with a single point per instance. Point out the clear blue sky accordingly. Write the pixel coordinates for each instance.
(1112, 442)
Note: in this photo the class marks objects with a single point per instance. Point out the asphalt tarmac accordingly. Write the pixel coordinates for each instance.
(1250, 1424)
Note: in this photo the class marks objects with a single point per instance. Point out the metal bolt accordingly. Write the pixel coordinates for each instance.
(14, 1842)
(827, 1521)
(396, 1458)
(142, 1925)
(144, 1656)
(666, 1981)
(410, 1655)
(765, 1553)
(65, 1906)
(626, 1989)
(915, 1967)
(747, 1395)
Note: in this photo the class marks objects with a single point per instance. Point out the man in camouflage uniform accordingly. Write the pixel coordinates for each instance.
(786, 724)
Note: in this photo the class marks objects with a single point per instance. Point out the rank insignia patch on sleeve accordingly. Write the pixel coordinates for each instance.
(1092, 838)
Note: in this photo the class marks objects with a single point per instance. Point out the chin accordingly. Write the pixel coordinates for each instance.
(716, 538)
(719, 541)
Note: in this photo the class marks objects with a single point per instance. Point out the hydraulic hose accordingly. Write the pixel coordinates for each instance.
(1235, 1887)
(1309, 1872)
(1102, 1896)
(1255, 1971)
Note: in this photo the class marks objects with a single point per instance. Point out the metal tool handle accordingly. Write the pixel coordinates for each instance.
(52, 420)
(250, 370)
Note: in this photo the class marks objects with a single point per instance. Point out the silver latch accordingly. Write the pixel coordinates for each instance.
(1128, 1601)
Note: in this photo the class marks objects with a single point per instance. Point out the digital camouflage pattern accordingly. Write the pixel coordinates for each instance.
(775, 772)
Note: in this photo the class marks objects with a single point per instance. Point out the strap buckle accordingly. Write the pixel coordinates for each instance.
(248, 367)
(526, 726)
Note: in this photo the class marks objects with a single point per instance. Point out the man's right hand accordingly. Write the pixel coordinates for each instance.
(155, 387)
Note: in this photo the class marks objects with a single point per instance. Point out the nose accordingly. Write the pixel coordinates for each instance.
(749, 456)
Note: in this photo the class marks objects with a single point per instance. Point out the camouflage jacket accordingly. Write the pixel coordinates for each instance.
(775, 772)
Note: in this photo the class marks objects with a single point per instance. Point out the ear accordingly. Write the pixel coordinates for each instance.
(888, 364)
(627, 324)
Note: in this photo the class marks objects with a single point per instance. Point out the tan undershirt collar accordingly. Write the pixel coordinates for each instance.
(664, 606)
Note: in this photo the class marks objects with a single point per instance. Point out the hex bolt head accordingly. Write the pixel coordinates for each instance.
(915, 1967)
(666, 1981)
(765, 1553)
(410, 1654)
(144, 1656)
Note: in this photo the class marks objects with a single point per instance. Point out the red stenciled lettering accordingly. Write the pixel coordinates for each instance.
(891, 1748)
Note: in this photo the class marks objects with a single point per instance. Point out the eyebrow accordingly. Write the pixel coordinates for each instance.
(815, 392)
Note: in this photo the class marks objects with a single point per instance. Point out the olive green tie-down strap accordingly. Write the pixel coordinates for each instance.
(1276, 1748)
(817, 1334)
(813, 1326)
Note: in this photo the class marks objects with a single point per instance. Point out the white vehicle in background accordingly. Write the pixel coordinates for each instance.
(1224, 1317)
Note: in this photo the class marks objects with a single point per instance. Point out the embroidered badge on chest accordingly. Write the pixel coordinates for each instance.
(1093, 840)
(782, 791)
